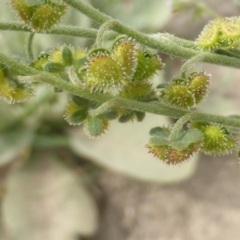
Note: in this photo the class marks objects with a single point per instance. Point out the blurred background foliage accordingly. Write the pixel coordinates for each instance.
(47, 168)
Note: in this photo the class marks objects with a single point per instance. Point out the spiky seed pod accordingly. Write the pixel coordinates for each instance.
(172, 155)
(103, 73)
(79, 54)
(176, 150)
(217, 140)
(179, 96)
(6, 88)
(230, 30)
(40, 62)
(95, 126)
(140, 91)
(40, 17)
(147, 65)
(124, 53)
(209, 37)
(56, 55)
(198, 84)
(23, 10)
(79, 57)
(22, 92)
(12, 91)
(75, 114)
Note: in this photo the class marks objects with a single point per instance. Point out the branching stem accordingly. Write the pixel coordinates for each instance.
(105, 26)
(167, 47)
(150, 107)
(29, 47)
(189, 63)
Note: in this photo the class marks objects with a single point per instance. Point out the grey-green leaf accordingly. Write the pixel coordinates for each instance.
(47, 200)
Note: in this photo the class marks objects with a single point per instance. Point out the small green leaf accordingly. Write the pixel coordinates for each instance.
(158, 141)
(67, 55)
(191, 136)
(53, 67)
(110, 114)
(140, 116)
(127, 116)
(82, 102)
(160, 132)
(95, 126)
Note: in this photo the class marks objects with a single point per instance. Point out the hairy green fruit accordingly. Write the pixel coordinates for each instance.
(147, 65)
(198, 84)
(209, 37)
(172, 155)
(230, 30)
(220, 33)
(179, 96)
(142, 91)
(124, 53)
(12, 91)
(103, 73)
(173, 150)
(217, 140)
(40, 17)
(23, 10)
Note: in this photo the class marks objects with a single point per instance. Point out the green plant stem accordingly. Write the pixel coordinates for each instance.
(167, 47)
(189, 63)
(59, 30)
(88, 10)
(230, 53)
(167, 43)
(178, 126)
(105, 26)
(74, 31)
(150, 107)
(29, 47)
(104, 107)
(182, 42)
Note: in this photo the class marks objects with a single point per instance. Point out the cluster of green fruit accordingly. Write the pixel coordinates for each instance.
(125, 70)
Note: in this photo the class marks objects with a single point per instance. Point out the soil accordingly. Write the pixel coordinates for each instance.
(206, 206)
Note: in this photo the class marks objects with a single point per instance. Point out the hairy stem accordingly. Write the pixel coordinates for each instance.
(178, 126)
(59, 30)
(189, 63)
(164, 43)
(150, 107)
(29, 49)
(167, 47)
(105, 26)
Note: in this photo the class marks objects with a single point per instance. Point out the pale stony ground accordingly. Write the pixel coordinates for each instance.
(206, 206)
